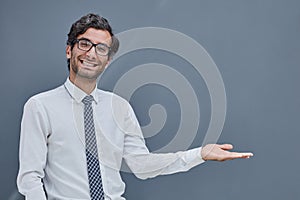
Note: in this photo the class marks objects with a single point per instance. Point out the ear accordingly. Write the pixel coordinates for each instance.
(68, 51)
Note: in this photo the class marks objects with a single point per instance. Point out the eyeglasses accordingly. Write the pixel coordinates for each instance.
(86, 45)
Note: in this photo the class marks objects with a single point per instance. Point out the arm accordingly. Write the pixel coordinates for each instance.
(147, 165)
(33, 151)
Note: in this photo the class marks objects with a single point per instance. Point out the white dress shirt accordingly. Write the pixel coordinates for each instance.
(52, 146)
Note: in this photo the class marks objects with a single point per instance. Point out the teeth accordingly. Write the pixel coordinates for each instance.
(88, 64)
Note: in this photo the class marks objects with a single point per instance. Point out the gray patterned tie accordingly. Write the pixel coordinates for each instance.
(93, 167)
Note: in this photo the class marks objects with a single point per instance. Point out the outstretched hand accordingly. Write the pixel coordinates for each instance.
(220, 152)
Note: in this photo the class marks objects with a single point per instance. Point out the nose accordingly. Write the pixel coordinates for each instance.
(92, 52)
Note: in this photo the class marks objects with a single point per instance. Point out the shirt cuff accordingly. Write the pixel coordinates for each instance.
(193, 157)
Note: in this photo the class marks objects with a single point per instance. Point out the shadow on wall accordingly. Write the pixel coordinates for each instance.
(16, 196)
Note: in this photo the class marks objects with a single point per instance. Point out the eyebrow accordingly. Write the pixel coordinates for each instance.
(83, 38)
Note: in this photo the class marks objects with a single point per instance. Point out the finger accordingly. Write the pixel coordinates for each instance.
(241, 155)
(247, 155)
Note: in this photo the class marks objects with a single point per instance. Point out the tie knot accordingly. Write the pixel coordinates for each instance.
(87, 100)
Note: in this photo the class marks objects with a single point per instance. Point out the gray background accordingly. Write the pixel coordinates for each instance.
(255, 45)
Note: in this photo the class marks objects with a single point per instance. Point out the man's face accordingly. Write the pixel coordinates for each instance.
(88, 64)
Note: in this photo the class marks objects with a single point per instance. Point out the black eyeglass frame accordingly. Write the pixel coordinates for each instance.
(93, 45)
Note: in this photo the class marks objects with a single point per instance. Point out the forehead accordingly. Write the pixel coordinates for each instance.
(96, 36)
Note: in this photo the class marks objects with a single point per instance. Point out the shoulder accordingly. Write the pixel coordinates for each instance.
(46, 96)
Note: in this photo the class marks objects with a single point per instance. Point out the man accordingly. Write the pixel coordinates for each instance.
(74, 138)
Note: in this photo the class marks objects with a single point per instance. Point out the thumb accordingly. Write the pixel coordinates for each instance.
(226, 146)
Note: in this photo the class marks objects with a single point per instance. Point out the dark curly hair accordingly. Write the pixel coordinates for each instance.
(91, 21)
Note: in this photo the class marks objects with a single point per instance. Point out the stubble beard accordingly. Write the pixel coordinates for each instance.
(81, 73)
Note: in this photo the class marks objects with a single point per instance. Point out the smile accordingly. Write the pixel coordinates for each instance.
(88, 64)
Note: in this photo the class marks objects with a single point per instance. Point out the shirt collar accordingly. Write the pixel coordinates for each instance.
(77, 94)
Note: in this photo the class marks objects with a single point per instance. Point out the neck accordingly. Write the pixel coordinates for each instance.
(86, 85)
